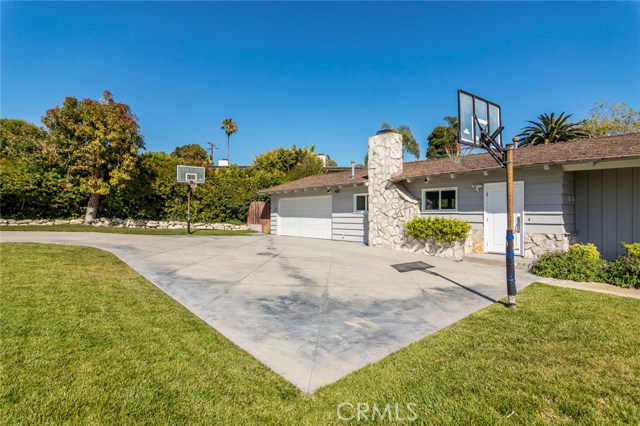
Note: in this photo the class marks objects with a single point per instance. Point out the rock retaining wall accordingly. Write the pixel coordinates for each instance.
(434, 248)
(126, 223)
(536, 244)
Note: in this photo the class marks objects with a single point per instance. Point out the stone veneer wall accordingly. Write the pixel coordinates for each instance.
(125, 223)
(390, 205)
(536, 244)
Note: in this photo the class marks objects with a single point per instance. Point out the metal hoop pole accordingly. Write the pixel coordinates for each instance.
(189, 210)
(511, 272)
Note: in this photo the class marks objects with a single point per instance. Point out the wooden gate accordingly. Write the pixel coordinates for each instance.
(260, 214)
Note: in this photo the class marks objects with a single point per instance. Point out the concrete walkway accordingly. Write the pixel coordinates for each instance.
(592, 286)
(311, 310)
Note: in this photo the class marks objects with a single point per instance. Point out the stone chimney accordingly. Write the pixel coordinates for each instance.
(390, 205)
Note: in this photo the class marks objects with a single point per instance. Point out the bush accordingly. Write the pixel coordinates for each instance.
(441, 229)
(580, 263)
(624, 272)
(633, 249)
(584, 251)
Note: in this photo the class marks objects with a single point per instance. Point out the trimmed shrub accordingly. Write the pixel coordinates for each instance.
(584, 251)
(441, 229)
(633, 249)
(579, 263)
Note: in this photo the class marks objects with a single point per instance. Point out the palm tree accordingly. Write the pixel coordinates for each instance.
(551, 129)
(230, 127)
(409, 143)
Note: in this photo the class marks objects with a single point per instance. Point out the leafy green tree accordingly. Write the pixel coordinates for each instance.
(551, 129)
(230, 127)
(193, 154)
(96, 143)
(607, 120)
(291, 163)
(21, 139)
(409, 143)
(441, 137)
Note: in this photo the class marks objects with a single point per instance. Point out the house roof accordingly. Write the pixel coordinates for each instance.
(617, 147)
(321, 181)
(577, 151)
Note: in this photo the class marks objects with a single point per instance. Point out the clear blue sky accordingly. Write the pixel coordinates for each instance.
(316, 73)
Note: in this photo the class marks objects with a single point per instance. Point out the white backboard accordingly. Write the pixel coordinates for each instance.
(185, 173)
(488, 114)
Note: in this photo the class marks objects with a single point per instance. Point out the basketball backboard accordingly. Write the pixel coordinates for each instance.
(187, 174)
(473, 112)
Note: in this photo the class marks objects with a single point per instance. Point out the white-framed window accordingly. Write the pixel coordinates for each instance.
(440, 199)
(360, 203)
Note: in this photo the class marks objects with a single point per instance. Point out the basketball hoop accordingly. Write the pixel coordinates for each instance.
(452, 149)
(458, 152)
(192, 176)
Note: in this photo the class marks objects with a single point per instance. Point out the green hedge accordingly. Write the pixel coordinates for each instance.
(441, 229)
(583, 263)
(39, 191)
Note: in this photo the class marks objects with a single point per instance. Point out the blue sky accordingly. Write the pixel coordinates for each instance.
(316, 73)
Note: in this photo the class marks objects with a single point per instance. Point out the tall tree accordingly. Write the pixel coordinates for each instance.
(607, 120)
(97, 142)
(551, 129)
(441, 137)
(291, 163)
(409, 143)
(230, 127)
(193, 154)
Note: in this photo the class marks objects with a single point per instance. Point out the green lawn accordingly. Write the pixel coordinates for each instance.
(108, 230)
(86, 340)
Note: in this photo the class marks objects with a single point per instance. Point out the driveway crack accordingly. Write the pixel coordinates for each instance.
(325, 298)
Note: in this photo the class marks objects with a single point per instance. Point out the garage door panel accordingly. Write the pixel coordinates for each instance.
(305, 217)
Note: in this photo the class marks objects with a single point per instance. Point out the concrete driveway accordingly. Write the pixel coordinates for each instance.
(311, 310)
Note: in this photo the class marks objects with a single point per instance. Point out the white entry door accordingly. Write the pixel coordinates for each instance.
(495, 217)
(305, 217)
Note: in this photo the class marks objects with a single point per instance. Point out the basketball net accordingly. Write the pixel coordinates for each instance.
(192, 183)
(457, 151)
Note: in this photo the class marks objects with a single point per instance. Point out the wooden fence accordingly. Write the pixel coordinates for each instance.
(260, 214)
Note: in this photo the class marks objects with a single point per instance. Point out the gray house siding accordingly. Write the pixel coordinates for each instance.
(274, 214)
(608, 208)
(548, 197)
(346, 225)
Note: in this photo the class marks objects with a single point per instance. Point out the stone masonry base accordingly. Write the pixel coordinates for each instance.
(125, 223)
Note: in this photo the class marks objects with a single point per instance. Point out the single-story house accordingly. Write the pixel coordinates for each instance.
(585, 191)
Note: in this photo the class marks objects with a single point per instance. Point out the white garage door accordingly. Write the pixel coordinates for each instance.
(305, 217)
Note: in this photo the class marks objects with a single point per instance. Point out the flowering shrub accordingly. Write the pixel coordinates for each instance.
(583, 263)
(579, 263)
(624, 272)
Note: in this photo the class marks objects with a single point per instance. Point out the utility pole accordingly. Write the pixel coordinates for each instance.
(212, 146)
